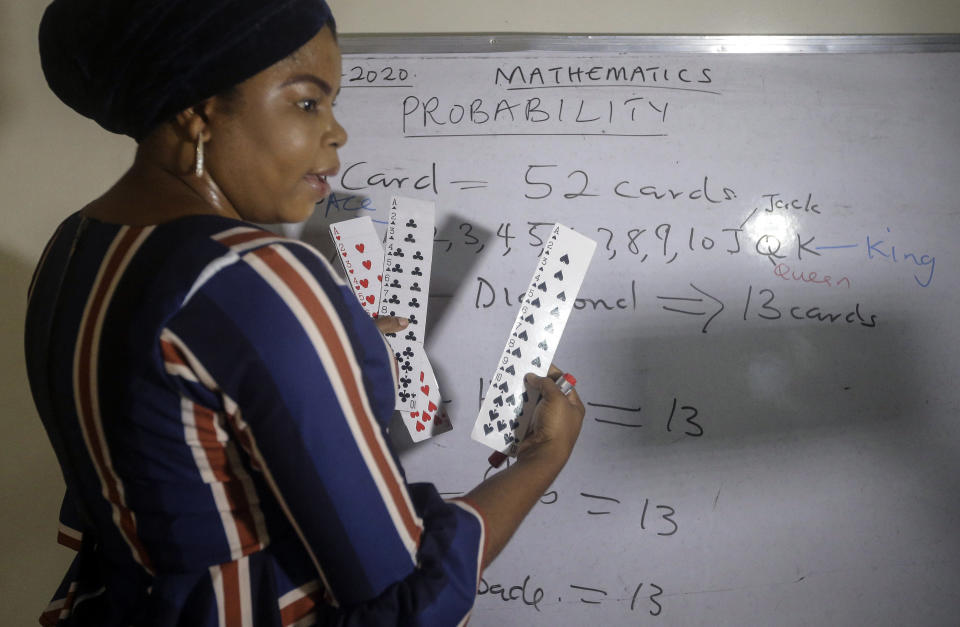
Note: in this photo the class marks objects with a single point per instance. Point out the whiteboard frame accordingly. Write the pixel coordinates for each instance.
(714, 44)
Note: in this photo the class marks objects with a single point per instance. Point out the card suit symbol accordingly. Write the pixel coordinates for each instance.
(393, 300)
(427, 417)
(548, 328)
(516, 352)
(405, 381)
(514, 424)
(406, 367)
(395, 283)
(418, 256)
(558, 275)
(359, 247)
(414, 303)
(432, 406)
(404, 396)
(536, 362)
(393, 313)
(351, 270)
(562, 297)
(487, 429)
(376, 315)
(415, 414)
(425, 389)
(415, 287)
(498, 401)
(511, 370)
(512, 400)
(535, 302)
(416, 271)
(518, 410)
(543, 346)
(503, 387)
(565, 259)
(371, 299)
(501, 425)
(494, 414)
(420, 426)
(555, 312)
(542, 287)
(413, 319)
(411, 224)
(410, 336)
(529, 319)
(408, 352)
(409, 238)
(380, 278)
(396, 268)
(508, 438)
(338, 237)
(398, 252)
(523, 335)
(364, 283)
(423, 375)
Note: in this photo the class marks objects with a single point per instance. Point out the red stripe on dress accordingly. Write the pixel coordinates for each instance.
(299, 609)
(331, 340)
(171, 355)
(85, 396)
(231, 594)
(244, 238)
(219, 463)
(68, 541)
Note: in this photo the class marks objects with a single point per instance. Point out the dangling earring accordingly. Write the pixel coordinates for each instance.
(198, 164)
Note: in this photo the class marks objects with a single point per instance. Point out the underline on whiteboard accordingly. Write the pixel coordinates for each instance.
(836, 247)
(702, 91)
(539, 135)
(377, 86)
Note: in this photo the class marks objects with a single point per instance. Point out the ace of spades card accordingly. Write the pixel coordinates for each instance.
(507, 407)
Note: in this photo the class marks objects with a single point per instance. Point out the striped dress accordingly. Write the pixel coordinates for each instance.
(223, 401)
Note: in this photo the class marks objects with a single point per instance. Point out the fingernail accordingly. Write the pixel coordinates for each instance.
(403, 322)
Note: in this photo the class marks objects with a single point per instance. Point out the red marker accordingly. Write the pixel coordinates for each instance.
(566, 383)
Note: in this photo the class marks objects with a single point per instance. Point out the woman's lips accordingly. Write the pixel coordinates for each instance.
(319, 184)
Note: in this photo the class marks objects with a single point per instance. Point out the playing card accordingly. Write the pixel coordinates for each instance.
(507, 408)
(361, 254)
(408, 254)
(429, 418)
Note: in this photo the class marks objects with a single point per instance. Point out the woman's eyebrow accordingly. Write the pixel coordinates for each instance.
(310, 78)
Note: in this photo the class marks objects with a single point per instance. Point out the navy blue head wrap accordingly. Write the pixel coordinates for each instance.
(132, 64)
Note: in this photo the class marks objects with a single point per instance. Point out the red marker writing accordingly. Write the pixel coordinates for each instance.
(565, 382)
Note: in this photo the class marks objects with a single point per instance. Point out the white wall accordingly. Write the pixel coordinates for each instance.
(52, 162)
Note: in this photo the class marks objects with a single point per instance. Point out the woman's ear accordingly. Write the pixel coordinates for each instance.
(194, 123)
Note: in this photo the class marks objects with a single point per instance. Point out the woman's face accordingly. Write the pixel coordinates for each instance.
(274, 144)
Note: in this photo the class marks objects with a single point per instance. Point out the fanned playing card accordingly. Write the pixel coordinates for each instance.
(507, 408)
(405, 291)
(361, 254)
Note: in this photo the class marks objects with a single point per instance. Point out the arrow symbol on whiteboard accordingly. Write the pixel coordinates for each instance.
(697, 309)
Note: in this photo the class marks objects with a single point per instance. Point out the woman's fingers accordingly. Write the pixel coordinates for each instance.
(391, 324)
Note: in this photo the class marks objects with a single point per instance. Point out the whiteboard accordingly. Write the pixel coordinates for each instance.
(766, 339)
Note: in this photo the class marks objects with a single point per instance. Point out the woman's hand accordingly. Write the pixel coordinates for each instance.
(391, 324)
(557, 418)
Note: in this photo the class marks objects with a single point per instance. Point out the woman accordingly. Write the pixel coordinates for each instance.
(216, 397)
